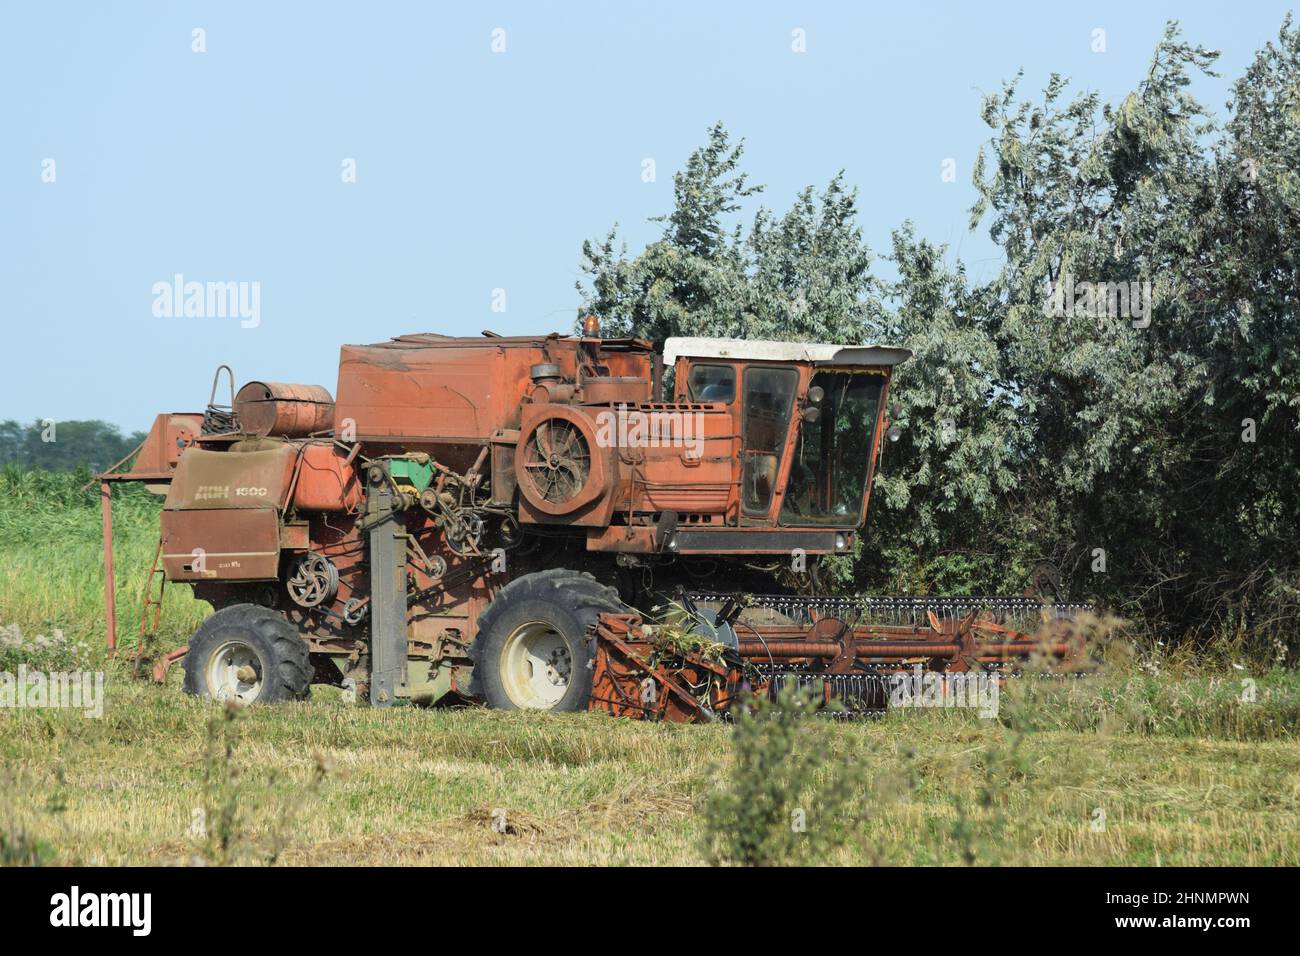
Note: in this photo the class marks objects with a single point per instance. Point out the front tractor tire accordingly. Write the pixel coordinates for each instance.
(533, 650)
(248, 654)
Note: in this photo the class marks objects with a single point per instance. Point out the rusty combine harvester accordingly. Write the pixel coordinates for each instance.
(496, 519)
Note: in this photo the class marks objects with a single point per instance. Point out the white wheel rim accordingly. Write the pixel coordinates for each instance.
(234, 673)
(535, 666)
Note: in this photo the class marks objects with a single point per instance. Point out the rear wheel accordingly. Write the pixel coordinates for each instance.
(534, 650)
(248, 654)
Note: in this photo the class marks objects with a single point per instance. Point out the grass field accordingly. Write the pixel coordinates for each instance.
(1159, 762)
(328, 783)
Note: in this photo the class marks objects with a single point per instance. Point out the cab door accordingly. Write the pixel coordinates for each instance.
(767, 402)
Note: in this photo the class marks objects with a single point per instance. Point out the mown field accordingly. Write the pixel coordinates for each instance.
(1160, 761)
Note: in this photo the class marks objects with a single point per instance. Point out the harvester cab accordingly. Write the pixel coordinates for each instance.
(495, 518)
(808, 421)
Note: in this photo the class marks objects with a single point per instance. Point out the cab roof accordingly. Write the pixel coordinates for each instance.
(818, 353)
(418, 340)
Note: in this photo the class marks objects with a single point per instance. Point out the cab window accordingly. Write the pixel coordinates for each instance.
(769, 397)
(712, 383)
(832, 455)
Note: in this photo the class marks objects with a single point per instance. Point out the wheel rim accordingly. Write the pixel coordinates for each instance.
(536, 666)
(234, 673)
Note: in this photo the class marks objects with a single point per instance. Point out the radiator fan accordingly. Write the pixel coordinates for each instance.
(557, 461)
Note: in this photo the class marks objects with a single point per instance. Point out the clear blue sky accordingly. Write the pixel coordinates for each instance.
(475, 170)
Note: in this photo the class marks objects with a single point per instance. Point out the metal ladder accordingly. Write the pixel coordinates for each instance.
(149, 628)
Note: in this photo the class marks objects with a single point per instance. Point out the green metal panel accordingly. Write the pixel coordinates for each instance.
(411, 472)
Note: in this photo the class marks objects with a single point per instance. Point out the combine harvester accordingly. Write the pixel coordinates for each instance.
(496, 519)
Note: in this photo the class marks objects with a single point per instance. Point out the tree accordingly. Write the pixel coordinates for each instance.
(938, 519)
(691, 281)
(1123, 399)
(65, 446)
(1133, 438)
(804, 275)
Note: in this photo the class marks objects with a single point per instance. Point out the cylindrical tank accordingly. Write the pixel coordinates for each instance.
(284, 410)
(326, 480)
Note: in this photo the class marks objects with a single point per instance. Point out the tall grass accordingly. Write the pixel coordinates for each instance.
(51, 561)
(411, 786)
(1192, 761)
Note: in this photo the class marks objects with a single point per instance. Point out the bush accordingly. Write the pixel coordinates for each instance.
(786, 797)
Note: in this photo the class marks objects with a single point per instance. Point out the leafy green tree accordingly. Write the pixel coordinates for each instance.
(65, 446)
(1247, 297)
(809, 271)
(690, 281)
(939, 520)
(1142, 435)
(1134, 440)
(804, 275)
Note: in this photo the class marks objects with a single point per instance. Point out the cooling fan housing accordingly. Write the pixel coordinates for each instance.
(560, 466)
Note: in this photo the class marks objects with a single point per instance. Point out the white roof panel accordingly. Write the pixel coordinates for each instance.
(816, 352)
